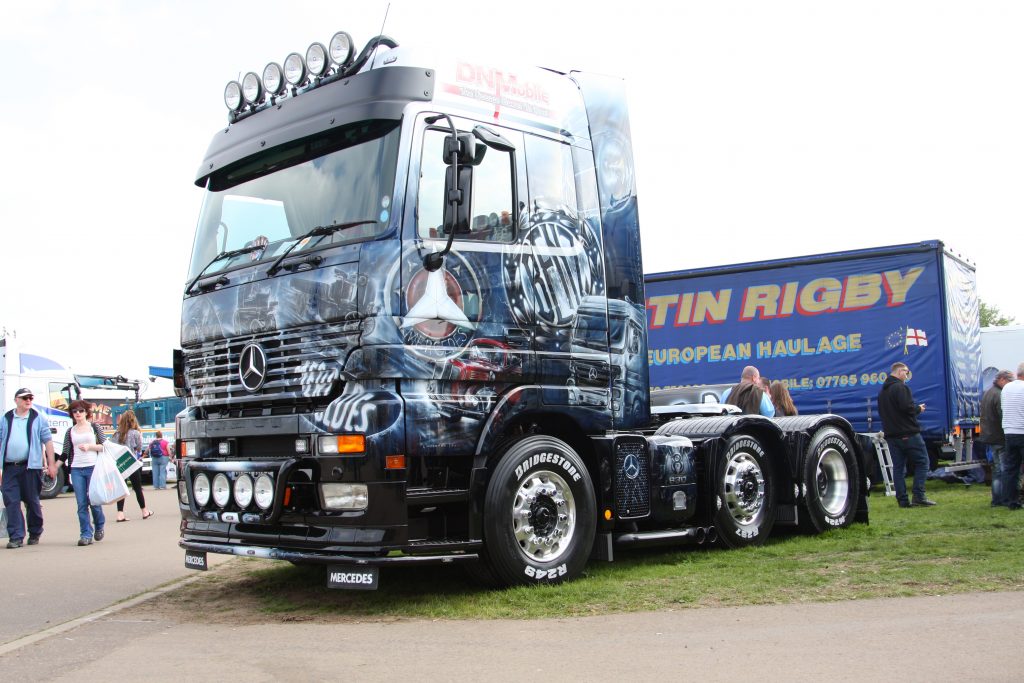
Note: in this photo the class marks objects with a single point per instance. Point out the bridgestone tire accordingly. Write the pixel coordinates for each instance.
(745, 493)
(539, 513)
(831, 482)
(52, 486)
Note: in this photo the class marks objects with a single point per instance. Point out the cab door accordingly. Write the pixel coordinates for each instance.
(465, 349)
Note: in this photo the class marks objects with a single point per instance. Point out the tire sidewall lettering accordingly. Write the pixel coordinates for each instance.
(531, 461)
(541, 574)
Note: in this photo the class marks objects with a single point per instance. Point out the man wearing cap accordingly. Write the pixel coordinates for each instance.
(25, 447)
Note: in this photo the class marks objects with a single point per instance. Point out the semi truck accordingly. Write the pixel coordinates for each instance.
(413, 332)
(830, 326)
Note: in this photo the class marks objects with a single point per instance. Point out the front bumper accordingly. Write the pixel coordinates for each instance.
(324, 557)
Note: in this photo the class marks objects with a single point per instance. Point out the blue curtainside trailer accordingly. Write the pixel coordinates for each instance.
(830, 326)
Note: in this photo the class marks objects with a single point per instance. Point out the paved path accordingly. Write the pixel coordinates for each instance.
(915, 639)
(57, 581)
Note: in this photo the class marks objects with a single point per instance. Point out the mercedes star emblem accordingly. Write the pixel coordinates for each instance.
(631, 466)
(252, 367)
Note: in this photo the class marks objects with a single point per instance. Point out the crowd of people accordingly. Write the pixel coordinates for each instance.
(27, 450)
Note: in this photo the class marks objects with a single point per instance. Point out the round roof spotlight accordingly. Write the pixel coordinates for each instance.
(273, 79)
(341, 48)
(316, 59)
(233, 95)
(294, 69)
(252, 89)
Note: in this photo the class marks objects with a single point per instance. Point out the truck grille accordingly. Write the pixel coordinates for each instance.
(632, 480)
(303, 366)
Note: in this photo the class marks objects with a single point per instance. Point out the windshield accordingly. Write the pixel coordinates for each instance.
(341, 177)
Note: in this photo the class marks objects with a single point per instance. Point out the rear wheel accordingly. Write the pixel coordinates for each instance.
(745, 505)
(52, 486)
(831, 482)
(539, 513)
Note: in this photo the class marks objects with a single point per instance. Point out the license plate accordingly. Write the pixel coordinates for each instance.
(195, 560)
(352, 578)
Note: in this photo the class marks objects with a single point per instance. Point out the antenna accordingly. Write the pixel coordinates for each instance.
(380, 34)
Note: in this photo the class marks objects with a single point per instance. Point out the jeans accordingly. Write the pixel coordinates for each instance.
(80, 478)
(1009, 473)
(903, 450)
(996, 450)
(22, 485)
(159, 471)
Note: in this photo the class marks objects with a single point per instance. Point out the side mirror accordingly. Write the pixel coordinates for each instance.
(465, 146)
(456, 221)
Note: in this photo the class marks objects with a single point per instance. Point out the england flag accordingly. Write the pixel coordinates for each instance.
(916, 337)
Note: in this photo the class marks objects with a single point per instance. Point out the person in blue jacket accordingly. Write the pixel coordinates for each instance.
(748, 395)
(26, 446)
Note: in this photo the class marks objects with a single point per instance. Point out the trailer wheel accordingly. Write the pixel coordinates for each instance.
(745, 506)
(52, 486)
(539, 513)
(831, 481)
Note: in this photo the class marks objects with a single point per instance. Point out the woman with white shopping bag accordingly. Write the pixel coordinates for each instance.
(81, 444)
(128, 434)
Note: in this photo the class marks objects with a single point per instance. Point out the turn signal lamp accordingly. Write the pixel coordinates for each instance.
(340, 444)
(608, 515)
(394, 462)
(188, 449)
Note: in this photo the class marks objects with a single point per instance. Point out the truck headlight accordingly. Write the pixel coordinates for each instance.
(243, 491)
(345, 496)
(221, 490)
(264, 491)
(201, 489)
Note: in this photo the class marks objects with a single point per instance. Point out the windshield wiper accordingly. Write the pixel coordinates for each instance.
(220, 257)
(319, 231)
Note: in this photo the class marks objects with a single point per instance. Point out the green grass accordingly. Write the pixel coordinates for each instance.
(960, 545)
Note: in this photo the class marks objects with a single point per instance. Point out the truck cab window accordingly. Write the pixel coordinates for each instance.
(491, 204)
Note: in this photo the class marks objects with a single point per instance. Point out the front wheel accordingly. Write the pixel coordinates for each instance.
(52, 485)
(539, 513)
(831, 481)
(745, 505)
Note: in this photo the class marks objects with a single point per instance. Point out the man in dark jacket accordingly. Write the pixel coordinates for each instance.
(992, 429)
(748, 395)
(903, 434)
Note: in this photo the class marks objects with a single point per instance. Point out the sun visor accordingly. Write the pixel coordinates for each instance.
(378, 94)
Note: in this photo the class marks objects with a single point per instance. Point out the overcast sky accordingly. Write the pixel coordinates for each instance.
(760, 130)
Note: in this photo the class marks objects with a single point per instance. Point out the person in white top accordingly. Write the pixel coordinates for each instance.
(1012, 402)
(81, 444)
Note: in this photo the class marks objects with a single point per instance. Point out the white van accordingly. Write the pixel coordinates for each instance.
(54, 387)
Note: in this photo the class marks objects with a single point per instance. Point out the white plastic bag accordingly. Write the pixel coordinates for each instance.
(122, 456)
(172, 472)
(3, 522)
(106, 486)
